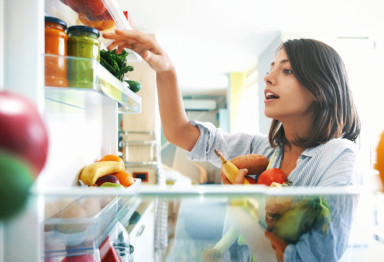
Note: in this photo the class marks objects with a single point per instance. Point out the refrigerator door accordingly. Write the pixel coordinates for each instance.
(78, 134)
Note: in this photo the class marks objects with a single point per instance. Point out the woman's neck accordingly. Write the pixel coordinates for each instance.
(292, 152)
(296, 129)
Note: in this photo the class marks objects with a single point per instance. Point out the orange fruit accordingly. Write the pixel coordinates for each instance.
(111, 158)
(124, 178)
(85, 21)
(98, 24)
(108, 24)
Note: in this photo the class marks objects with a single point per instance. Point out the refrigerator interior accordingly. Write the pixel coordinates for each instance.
(83, 126)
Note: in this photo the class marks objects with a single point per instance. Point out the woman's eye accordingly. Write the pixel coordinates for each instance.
(287, 71)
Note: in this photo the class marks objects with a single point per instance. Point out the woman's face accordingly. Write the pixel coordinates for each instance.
(285, 98)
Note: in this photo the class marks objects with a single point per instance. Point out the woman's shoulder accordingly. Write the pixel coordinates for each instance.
(340, 162)
(333, 149)
(340, 145)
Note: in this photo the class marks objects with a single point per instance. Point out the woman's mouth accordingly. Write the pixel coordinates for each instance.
(269, 96)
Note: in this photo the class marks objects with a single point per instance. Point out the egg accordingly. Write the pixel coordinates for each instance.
(50, 210)
(62, 203)
(69, 223)
(91, 205)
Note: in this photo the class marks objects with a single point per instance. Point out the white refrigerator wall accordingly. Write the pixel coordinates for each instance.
(77, 136)
(1, 45)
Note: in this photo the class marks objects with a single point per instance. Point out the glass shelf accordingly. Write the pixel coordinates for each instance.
(90, 83)
(201, 215)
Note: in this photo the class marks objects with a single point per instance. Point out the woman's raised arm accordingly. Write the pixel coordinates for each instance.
(176, 126)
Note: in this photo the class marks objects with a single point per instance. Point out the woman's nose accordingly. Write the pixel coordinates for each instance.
(268, 78)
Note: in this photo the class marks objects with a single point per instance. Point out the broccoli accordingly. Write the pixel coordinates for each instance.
(115, 63)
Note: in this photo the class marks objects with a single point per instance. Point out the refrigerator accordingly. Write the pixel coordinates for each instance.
(196, 222)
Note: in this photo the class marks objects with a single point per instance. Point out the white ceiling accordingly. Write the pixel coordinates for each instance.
(207, 39)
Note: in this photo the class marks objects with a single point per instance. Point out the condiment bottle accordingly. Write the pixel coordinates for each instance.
(55, 50)
(83, 42)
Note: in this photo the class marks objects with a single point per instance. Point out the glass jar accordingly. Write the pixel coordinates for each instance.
(83, 42)
(56, 50)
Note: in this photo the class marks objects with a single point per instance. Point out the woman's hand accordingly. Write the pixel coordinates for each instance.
(143, 44)
(239, 177)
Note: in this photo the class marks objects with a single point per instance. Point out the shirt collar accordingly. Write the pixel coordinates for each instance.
(311, 151)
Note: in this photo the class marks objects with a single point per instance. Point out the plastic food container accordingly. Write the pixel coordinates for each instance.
(83, 41)
(55, 44)
(79, 227)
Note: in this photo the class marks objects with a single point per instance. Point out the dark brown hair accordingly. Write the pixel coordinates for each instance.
(320, 69)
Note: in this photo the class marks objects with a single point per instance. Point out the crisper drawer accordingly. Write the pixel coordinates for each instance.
(77, 226)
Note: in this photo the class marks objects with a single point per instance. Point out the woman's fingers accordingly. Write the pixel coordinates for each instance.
(143, 44)
(239, 179)
(224, 179)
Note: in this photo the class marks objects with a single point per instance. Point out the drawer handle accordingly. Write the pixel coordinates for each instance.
(140, 231)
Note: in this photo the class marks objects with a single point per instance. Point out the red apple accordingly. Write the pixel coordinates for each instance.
(22, 130)
(107, 178)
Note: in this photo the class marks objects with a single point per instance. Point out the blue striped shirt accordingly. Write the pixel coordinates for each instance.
(334, 163)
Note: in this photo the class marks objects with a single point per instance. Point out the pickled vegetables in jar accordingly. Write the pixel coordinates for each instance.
(83, 42)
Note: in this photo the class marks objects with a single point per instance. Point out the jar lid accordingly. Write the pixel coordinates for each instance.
(83, 28)
(55, 20)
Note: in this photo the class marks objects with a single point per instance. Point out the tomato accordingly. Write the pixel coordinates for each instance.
(95, 7)
(251, 180)
(91, 8)
(271, 175)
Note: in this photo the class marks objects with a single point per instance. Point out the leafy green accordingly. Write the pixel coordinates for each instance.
(115, 63)
(303, 215)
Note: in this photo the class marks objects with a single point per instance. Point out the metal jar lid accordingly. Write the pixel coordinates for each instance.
(56, 20)
(83, 28)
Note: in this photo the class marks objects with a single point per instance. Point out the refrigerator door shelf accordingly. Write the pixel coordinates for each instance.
(106, 16)
(96, 83)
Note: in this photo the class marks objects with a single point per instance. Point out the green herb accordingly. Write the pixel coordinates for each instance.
(115, 63)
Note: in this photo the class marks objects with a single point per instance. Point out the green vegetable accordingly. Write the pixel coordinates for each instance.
(215, 253)
(115, 63)
(301, 217)
(134, 85)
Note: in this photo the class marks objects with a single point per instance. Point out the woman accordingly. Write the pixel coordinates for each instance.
(311, 138)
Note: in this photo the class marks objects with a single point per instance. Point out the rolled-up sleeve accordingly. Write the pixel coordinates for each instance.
(229, 144)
